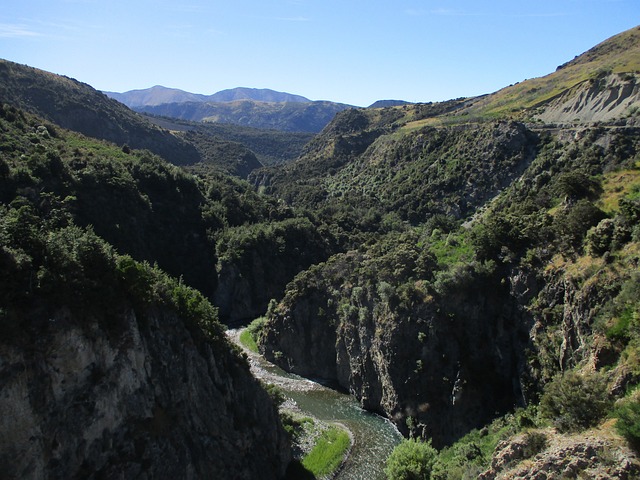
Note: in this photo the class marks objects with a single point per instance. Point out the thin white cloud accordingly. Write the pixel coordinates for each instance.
(17, 30)
(533, 15)
(445, 12)
(202, 9)
(293, 19)
(449, 12)
(415, 12)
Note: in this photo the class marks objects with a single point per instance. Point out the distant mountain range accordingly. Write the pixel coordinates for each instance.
(248, 107)
(158, 95)
(77, 106)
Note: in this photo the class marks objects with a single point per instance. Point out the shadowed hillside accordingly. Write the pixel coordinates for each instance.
(286, 116)
(81, 108)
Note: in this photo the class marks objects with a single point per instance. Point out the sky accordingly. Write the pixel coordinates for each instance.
(348, 51)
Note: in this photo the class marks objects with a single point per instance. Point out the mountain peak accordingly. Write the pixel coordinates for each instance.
(159, 95)
(156, 95)
(256, 94)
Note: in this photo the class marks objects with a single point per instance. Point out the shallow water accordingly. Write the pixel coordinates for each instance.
(374, 436)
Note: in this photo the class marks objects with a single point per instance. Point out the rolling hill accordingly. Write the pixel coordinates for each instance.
(271, 147)
(156, 95)
(309, 117)
(472, 223)
(606, 77)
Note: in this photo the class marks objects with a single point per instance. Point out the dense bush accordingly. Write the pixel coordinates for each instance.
(412, 459)
(628, 424)
(574, 401)
(77, 264)
(249, 337)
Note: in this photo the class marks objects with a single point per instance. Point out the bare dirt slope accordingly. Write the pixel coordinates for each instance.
(597, 100)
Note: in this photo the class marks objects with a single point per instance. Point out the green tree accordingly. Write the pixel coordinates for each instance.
(412, 459)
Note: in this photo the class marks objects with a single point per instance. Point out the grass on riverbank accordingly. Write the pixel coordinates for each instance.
(247, 340)
(329, 452)
(249, 336)
(318, 448)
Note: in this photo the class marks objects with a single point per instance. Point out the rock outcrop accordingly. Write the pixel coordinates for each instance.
(545, 455)
(143, 396)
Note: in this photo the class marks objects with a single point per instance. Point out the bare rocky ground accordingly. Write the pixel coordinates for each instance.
(546, 455)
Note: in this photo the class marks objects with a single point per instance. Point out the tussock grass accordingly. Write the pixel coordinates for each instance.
(618, 185)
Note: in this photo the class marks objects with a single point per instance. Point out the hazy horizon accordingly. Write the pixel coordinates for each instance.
(350, 52)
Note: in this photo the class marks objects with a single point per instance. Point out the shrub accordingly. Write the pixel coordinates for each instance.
(276, 394)
(535, 442)
(137, 277)
(193, 307)
(412, 459)
(574, 402)
(77, 264)
(576, 185)
(599, 237)
(249, 337)
(572, 223)
(620, 330)
(628, 424)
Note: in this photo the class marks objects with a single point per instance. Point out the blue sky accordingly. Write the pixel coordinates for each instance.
(350, 51)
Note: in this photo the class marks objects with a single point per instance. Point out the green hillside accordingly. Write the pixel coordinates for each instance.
(619, 54)
(484, 258)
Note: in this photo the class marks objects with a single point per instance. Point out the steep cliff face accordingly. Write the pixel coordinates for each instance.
(140, 396)
(440, 362)
(568, 312)
(436, 364)
(256, 262)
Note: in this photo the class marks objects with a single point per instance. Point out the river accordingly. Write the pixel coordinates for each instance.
(373, 436)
